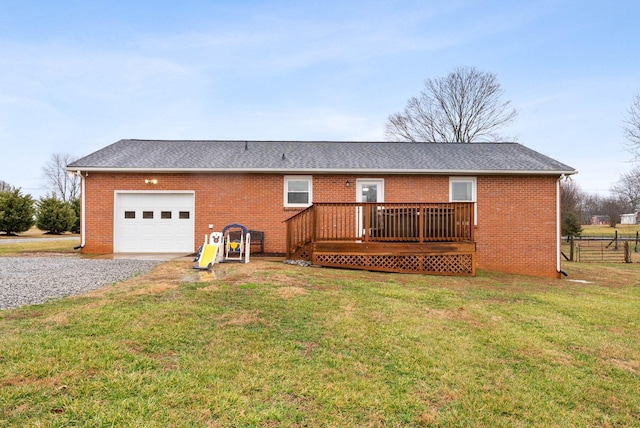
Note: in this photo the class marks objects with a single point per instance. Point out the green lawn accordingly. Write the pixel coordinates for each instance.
(268, 344)
(627, 230)
(46, 246)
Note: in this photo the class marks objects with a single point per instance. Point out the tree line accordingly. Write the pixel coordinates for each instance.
(56, 213)
(578, 207)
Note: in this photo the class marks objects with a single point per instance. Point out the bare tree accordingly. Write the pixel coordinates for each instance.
(592, 204)
(63, 185)
(627, 188)
(632, 127)
(571, 196)
(614, 208)
(463, 107)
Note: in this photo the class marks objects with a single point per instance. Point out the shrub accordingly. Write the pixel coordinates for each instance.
(54, 215)
(16, 212)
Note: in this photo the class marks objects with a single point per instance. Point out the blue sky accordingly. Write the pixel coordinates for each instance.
(76, 76)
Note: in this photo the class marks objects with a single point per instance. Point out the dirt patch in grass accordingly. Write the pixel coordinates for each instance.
(57, 320)
(262, 272)
(50, 382)
(629, 366)
(290, 292)
(240, 318)
(169, 275)
(447, 314)
(164, 277)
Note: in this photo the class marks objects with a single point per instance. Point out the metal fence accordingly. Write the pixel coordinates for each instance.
(619, 249)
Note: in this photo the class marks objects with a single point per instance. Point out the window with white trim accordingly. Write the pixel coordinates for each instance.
(464, 189)
(298, 190)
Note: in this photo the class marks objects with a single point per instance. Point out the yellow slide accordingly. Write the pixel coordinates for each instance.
(207, 258)
(209, 253)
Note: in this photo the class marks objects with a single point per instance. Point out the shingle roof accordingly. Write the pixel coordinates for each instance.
(318, 157)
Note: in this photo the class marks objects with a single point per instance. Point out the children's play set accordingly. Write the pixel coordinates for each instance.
(230, 245)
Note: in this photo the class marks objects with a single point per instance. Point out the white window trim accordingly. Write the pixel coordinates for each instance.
(474, 193)
(288, 178)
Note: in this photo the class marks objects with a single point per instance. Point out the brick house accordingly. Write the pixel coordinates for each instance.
(162, 196)
(600, 220)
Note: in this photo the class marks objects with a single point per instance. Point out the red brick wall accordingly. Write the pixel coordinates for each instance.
(516, 229)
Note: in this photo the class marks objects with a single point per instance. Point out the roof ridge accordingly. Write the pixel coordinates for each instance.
(319, 141)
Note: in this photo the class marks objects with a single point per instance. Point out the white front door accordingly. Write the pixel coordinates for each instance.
(370, 190)
(367, 190)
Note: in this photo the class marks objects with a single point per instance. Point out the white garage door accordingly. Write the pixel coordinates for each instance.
(154, 223)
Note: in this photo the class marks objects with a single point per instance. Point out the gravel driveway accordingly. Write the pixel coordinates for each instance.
(31, 280)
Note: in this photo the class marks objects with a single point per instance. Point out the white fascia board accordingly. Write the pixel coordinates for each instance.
(321, 171)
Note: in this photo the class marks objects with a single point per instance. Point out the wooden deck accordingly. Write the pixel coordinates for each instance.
(431, 238)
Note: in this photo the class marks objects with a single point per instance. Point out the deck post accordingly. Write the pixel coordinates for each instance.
(314, 222)
(288, 239)
(422, 213)
(367, 221)
(472, 221)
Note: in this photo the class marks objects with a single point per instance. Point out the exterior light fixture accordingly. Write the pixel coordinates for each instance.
(151, 181)
(347, 183)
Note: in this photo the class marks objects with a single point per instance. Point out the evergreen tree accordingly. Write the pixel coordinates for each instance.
(54, 215)
(16, 212)
(75, 203)
(570, 224)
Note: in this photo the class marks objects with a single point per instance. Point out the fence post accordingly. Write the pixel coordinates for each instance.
(571, 247)
(627, 252)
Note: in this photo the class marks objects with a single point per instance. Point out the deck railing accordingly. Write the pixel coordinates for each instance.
(381, 222)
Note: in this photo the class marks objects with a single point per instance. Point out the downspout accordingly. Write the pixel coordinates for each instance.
(82, 211)
(558, 227)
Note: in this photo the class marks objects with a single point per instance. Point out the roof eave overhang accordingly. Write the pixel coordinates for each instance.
(321, 171)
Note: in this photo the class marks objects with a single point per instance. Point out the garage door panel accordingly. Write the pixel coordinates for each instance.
(152, 222)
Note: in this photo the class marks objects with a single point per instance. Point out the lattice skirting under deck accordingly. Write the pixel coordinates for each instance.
(435, 264)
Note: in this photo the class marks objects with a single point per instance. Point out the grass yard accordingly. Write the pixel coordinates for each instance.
(35, 248)
(46, 243)
(627, 230)
(268, 344)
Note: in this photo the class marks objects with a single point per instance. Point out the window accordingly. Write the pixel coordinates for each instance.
(165, 214)
(184, 215)
(147, 214)
(129, 214)
(297, 191)
(464, 189)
